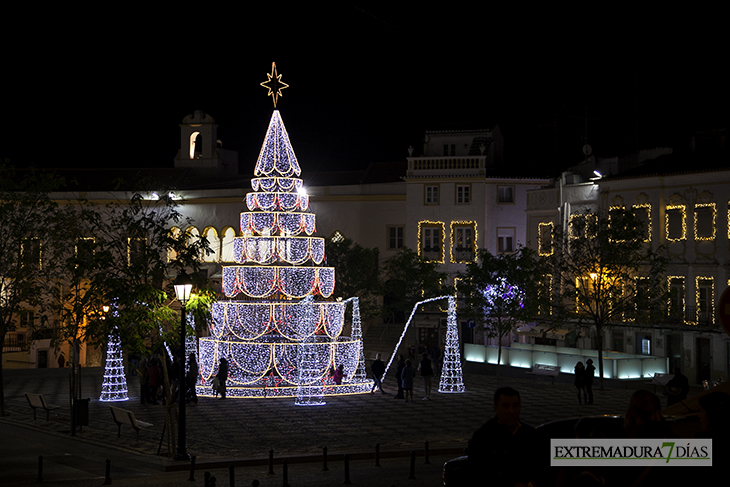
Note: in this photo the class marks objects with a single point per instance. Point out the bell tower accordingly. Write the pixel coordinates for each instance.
(200, 147)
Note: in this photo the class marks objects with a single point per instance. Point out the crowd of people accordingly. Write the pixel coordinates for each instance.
(153, 387)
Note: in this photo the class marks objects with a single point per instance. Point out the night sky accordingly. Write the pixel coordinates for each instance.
(365, 83)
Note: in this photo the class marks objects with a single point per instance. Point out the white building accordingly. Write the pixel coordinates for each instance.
(685, 201)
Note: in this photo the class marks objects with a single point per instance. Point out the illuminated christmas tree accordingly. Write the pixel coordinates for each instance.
(114, 387)
(451, 376)
(276, 343)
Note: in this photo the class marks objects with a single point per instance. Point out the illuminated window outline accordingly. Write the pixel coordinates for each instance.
(428, 223)
(648, 218)
(452, 229)
(711, 311)
(683, 304)
(714, 220)
(540, 239)
(683, 210)
(129, 247)
(23, 244)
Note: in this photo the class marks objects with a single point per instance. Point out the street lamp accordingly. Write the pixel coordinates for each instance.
(183, 287)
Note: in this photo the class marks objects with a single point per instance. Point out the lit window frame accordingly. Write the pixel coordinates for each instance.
(713, 206)
(452, 230)
(540, 229)
(442, 227)
(683, 210)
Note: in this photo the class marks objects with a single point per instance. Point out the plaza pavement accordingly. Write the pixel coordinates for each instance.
(242, 431)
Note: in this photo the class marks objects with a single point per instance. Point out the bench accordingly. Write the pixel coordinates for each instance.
(551, 371)
(38, 401)
(122, 416)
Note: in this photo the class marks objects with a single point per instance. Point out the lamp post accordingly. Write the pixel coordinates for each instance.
(183, 286)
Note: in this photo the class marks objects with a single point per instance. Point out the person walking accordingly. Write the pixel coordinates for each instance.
(191, 379)
(407, 376)
(426, 370)
(222, 377)
(580, 372)
(378, 369)
(588, 380)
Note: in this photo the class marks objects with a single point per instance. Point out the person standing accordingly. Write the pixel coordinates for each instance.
(580, 372)
(677, 387)
(398, 373)
(407, 376)
(191, 379)
(426, 370)
(588, 380)
(154, 379)
(339, 374)
(378, 369)
(222, 377)
(144, 381)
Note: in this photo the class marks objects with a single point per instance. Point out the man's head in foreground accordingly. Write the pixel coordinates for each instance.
(507, 406)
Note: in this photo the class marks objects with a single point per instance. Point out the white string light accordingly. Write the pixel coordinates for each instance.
(114, 386)
(275, 344)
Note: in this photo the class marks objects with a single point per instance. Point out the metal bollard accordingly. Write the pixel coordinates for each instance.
(192, 469)
(324, 459)
(285, 468)
(271, 462)
(347, 469)
(206, 479)
(108, 479)
(427, 462)
(231, 476)
(40, 468)
(377, 454)
(413, 466)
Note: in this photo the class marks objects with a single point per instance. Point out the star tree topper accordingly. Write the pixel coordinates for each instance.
(274, 84)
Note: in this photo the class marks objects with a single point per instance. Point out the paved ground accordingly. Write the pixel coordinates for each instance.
(245, 430)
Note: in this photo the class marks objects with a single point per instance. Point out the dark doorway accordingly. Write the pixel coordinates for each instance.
(674, 351)
(703, 366)
(42, 359)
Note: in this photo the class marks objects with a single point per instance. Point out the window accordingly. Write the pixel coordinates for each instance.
(545, 239)
(462, 241)
(676, 298)
(136, 251)
(431, 235)
(395, 237)
(432, 195)
(463, 194)
(505, 240)
(643, 214)
(30, 251)
(27, 318)
(505, 194)
(676, 222)
(705, 221)
(452, 151)
(705, 300)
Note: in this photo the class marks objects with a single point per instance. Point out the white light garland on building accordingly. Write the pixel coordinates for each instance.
(114, 386)
(275, 344)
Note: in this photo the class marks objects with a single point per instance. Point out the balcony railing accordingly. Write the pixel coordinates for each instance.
(446, 163)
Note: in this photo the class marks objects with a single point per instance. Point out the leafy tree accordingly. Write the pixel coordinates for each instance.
(409, 279)
(605, 273)
(356, 273)
(28, 245)
(500, 291)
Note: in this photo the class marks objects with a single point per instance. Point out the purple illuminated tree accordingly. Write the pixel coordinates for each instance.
(496, 289)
